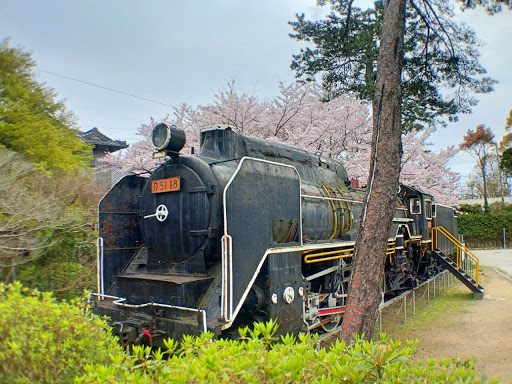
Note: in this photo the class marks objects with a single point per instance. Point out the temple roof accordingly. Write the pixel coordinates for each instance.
(95, 137)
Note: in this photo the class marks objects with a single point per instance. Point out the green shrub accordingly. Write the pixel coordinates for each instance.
(257, 358)
(66, 280)
(470, 208)
(44, 341)
(484, 230)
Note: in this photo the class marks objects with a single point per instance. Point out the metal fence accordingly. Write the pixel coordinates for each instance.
(430, 288)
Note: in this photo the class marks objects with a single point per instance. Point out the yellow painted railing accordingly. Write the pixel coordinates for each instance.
(469, 263)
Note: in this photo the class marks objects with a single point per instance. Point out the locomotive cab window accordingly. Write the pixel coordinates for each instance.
(428, 209)
(415, 205)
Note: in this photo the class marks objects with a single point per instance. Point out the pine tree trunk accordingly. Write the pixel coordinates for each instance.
(369, 256)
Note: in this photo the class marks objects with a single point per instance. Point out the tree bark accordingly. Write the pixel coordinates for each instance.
(367, 277)
(484, 178)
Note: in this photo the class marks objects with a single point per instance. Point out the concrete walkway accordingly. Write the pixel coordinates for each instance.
(498, 258)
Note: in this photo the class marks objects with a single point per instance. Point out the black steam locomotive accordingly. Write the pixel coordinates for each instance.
(243, 231)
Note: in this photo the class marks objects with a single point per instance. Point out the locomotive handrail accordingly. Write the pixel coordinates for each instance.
(230, 312)
(312, 256)
(227, 283)
(322, 197)
(99, 260)
(460, 248)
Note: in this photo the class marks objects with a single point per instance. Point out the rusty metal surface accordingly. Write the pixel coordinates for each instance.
(119, 225)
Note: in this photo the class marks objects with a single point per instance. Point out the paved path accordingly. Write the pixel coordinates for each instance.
(498, 258)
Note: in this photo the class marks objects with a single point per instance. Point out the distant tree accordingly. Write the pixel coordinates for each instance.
(471, 187)
(439, 55)
(506, 161)
(506, 147)
(339, 128)
(480, 144)
(506, 141)
(494, 183)
(32, 121)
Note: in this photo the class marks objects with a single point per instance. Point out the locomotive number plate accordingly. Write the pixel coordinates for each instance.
(165, 185)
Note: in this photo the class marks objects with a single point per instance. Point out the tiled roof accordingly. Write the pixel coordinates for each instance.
(95, 137)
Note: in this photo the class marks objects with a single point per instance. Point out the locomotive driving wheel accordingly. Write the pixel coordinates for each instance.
(335, 300)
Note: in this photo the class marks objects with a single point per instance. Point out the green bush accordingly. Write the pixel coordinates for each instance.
(257, 358)
(486, 229)
(66, 280)
(470, 208)
(44, 341)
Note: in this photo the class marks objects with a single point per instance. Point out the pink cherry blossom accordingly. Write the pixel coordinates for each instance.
(298, 116)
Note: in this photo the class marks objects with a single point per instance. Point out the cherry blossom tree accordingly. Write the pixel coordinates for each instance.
(427, 170)
(340, 129)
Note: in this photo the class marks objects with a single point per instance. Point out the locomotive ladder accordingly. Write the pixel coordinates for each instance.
(462, 263)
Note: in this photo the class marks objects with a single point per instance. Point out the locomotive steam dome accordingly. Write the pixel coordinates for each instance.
(169, 139)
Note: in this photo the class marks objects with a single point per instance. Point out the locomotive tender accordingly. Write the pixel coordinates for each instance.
(245, 230)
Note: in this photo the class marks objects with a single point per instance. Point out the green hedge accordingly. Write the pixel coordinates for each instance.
(258, 358)
(485, 230)
(45, 341)
(66, 280)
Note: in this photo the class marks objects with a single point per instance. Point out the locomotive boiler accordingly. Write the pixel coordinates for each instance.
(245, 230)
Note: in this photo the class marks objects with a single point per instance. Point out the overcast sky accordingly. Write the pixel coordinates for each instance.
(172, 51)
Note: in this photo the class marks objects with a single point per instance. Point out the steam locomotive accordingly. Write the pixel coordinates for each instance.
(245, 230)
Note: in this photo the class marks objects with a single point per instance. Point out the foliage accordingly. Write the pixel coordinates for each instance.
(470, 208)
(485, 225)
(505, 146)
(480, 144)
(491, 6)
(506, 140)
(339, 128)
(44, 341)
(506, 161)
(428, 170)
(49, 342)
(495, 181)
(31, 121)
(45, 218)
(478, 140)
(500, 207)
(257, 358)
(483, 230)
(439, 55)
(66, 279)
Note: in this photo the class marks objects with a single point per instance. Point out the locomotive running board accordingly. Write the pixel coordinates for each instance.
(122, 302)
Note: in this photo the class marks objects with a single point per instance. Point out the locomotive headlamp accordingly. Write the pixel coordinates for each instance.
(168, 138)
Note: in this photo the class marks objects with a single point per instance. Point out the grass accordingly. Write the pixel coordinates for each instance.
(429, 315)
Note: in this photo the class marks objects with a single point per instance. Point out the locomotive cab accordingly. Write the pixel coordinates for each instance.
(419, 206)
